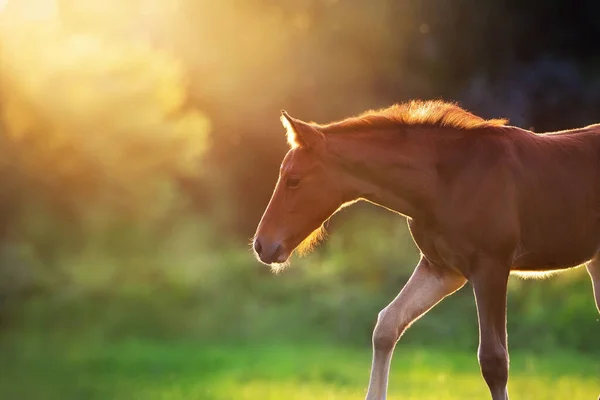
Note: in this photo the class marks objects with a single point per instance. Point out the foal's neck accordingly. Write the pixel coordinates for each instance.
(386, 168)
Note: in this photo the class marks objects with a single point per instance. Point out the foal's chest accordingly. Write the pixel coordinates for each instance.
(442, 249)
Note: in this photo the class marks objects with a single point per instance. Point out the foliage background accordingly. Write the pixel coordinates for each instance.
(140, 142)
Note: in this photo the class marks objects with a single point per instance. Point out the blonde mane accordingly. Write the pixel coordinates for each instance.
(417, 112)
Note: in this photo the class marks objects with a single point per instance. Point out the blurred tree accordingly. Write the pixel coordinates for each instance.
(93, 127)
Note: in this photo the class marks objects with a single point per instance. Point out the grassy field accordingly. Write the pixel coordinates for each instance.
(141, 369)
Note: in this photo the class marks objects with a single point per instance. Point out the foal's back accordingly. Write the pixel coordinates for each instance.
(557, 178)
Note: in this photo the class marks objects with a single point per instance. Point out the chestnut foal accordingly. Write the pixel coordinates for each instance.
(482, 200)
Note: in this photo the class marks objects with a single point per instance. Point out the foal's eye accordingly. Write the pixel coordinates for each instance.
(292, 182)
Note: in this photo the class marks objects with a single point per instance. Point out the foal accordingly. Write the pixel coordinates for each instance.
(482, 200)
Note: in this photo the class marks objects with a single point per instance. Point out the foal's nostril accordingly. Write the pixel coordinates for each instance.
(257, 246)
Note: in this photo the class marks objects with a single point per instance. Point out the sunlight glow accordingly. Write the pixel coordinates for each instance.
(91, 111)
(29, 10)
(312, 241)
(536, 274)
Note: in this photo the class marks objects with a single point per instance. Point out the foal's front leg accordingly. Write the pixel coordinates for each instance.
(426, 287)
(490, 281)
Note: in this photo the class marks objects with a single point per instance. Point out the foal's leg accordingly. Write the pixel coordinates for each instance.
(490, 282)
(593, 269)
(425, 288)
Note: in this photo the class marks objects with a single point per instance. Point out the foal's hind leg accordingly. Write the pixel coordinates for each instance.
(490, 282)
(593, 269)
(425, 288)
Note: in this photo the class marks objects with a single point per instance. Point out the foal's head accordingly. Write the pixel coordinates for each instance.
(307, 193)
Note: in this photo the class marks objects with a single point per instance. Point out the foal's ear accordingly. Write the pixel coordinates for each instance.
(301, 134)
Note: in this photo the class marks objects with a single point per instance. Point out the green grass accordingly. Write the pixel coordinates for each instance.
(36, 368)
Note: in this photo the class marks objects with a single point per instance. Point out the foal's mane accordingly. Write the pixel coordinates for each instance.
(434, 113)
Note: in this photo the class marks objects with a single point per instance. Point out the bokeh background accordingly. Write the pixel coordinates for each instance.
(139, 144)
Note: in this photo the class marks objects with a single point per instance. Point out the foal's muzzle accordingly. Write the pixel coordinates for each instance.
(269, 253)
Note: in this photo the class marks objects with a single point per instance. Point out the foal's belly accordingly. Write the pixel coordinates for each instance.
(540, 263)
(555, 256)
